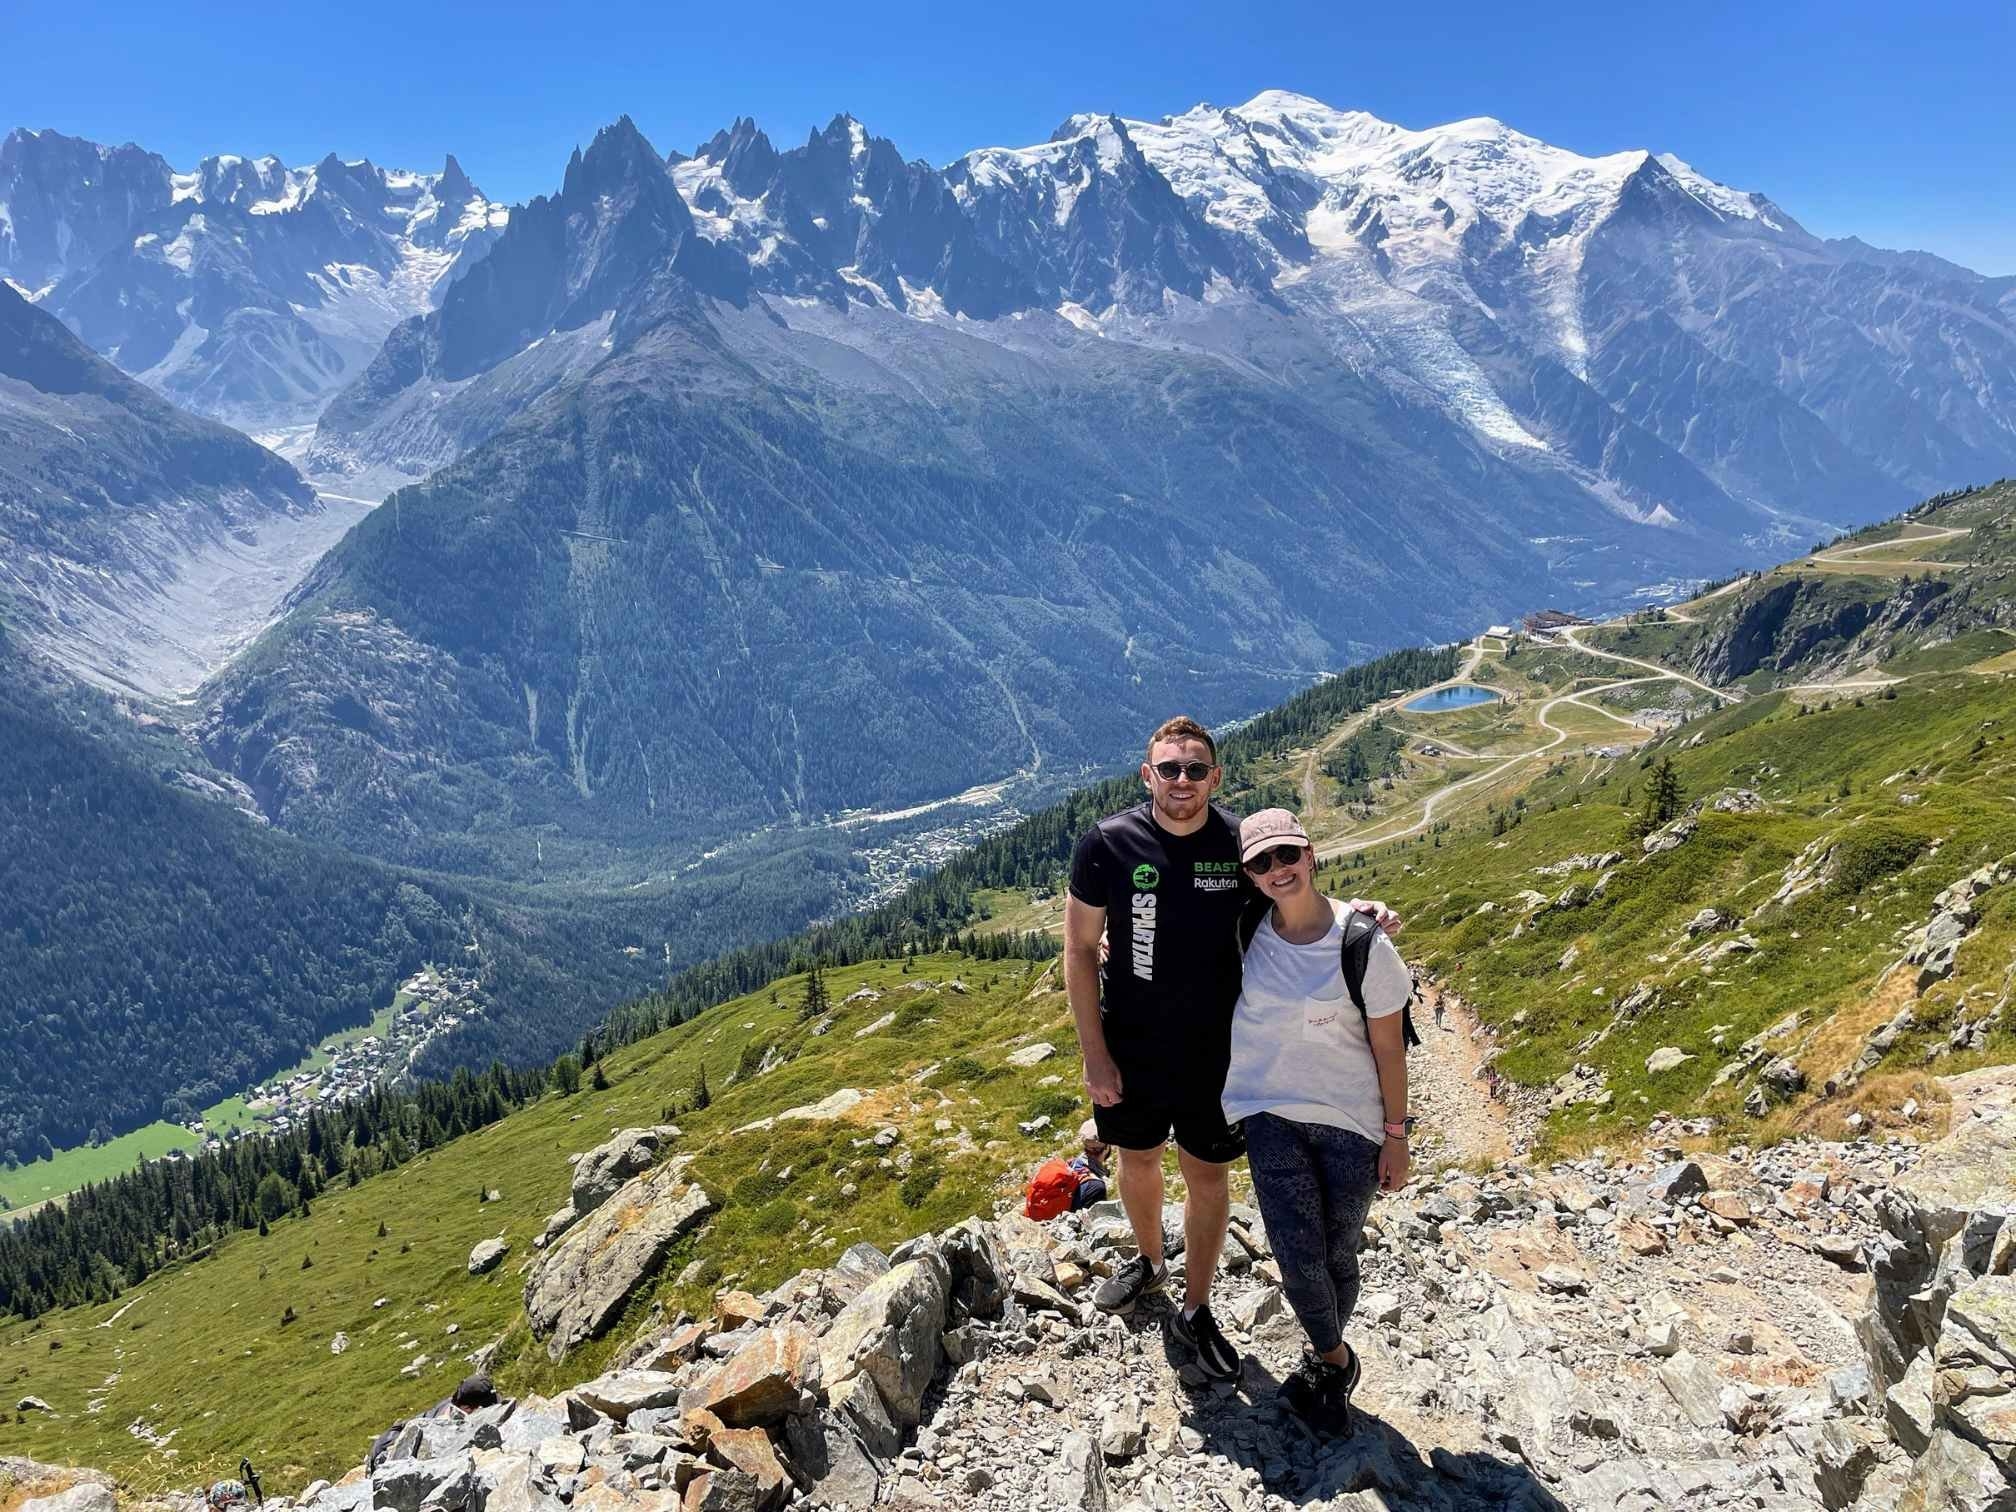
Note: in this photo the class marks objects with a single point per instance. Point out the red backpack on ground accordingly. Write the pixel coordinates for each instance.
(1051, 1189)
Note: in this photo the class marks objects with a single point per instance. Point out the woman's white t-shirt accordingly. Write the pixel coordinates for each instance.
(1298, 1044)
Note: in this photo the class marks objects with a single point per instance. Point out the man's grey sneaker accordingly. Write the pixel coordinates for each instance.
(1199, 1334)
(1319, 1393)
(1119, 1292)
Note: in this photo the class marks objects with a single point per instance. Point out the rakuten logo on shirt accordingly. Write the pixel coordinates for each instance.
(1144, 936)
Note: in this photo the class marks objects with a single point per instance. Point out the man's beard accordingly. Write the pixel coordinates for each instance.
(1179, 809)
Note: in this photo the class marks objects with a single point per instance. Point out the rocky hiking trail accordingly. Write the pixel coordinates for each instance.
(1818, 1324)
(1449, 1087)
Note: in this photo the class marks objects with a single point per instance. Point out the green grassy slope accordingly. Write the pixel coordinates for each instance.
(200, 1351)
(1913, 790)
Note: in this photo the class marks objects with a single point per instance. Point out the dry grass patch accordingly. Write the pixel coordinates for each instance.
(1877, 1098)
(1837, 1041)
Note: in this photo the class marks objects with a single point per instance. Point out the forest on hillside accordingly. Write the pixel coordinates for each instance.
(160, 952)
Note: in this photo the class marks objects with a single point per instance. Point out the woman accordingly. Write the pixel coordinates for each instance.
(1322, 1090)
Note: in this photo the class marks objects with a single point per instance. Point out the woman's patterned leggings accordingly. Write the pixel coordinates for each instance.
(1315, 1185)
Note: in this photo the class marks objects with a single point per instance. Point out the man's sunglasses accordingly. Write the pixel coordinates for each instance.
(1287, 855)
(1169, 771)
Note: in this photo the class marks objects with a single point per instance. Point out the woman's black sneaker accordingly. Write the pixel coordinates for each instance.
(1119, 1292)
(1200, 1335)
(1319, 1393)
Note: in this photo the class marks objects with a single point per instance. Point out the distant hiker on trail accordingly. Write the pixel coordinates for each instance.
(1161, 881)
(1319, 1078)
(1065, 1186)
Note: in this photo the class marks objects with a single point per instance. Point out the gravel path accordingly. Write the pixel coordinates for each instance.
(1461, 1121)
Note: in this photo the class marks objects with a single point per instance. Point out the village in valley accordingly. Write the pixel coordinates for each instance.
(428, 1004)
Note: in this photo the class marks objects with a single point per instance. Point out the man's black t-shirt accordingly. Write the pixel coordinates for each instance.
(1171, 979)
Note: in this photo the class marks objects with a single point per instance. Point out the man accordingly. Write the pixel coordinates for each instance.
(1160, 882)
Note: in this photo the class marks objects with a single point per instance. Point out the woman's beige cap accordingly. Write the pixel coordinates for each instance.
(1269, 827)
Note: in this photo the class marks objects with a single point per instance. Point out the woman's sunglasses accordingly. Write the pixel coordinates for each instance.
(1287, 855)
(1169, 771)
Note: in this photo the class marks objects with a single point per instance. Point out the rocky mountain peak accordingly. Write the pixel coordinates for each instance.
(226, 179)
(618, 159)
(65, 202)
(744, 155)
(453, 186)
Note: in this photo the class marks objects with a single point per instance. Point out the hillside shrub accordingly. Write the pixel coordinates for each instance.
(1052, 1103)
(754, 1191)
(960, 1070)
(1871, 853)
(920, 1184)
(914, 1015)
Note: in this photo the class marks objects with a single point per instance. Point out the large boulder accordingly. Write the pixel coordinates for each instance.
(1953, 1475)
(1974, 1384)
(764, 1381)
(584, 1281)
(78, 1498)
(601, 1173)
(749, 1450)
(891, 1334)
(858, 1404)
(1675, 1183)
(839, 1473)
(622, 1392)
(980, 1267)
(511, 1483)
(487, 1256)
(858, 1266)
(406, 1485)
(830, 1107)
(1948, 1221)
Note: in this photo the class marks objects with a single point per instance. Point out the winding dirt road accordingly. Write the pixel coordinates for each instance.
(1434, 800)
(1351, 726)
(1568, 634)
(1931, 533)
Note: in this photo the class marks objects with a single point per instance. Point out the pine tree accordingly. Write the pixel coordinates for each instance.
(701, 1096)
(1663, 797)
(815, 1002)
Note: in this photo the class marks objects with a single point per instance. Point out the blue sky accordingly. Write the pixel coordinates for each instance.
(1884, 121)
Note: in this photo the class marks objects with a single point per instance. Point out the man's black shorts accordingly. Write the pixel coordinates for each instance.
(1144, 1120)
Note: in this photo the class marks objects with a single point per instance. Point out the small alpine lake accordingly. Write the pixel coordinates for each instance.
(1461, 696)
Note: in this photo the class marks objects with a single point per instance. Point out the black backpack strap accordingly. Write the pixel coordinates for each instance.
(1360, 931)
(1253, 908)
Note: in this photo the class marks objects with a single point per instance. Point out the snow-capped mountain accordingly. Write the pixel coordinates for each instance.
(245, 290)
(1684, 351)
(1554, 301)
